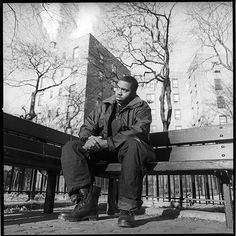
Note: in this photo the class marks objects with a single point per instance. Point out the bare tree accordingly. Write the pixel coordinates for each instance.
(66, 114)
(140, 33)
(212, 26)
(19, 17)
(37, 65)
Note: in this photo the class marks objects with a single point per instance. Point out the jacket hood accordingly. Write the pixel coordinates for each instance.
(133, 103)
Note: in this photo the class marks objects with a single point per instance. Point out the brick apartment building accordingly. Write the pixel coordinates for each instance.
(95, 72)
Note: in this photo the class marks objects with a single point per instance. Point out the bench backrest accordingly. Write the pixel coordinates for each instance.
(202, 143)
(207, 134)
(188, 151)
(17, 125)
(30, 144)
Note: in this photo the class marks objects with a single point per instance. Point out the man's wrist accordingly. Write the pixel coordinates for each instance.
(104, 143)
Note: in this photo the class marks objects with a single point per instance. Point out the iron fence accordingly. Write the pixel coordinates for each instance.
(190, 189)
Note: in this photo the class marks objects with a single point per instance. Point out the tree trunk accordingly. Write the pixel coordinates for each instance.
(32, 114)
(169, 105)
(165, 94)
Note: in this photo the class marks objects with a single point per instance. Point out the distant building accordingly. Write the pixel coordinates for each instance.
(95, 71)
(180, 99)
(210, 88)
(203, 96)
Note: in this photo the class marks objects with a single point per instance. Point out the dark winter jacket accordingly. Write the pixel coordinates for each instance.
(133, 121)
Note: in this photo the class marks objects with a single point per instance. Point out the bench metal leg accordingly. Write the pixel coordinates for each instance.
(224, 177)
(33, 184)
(228, 205)
(112, 196)
(50, 192)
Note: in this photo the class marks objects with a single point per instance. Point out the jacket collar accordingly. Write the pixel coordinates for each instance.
(133, 103)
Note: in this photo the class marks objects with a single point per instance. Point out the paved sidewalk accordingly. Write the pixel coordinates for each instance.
(148, 221)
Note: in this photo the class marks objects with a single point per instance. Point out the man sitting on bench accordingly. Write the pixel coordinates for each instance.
(116, 131)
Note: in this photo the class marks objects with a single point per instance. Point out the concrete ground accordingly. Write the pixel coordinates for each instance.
(149, 220)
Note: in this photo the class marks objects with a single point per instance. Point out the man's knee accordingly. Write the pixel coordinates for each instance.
(70, 148)
(135, 147)
(133, 142)
(68, 145)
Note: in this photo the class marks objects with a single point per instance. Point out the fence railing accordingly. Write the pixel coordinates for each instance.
(181, 188)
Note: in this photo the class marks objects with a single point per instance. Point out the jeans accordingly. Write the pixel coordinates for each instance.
(78, 168)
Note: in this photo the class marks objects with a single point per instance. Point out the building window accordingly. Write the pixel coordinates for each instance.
(154, 114)
(51, 94)
(178, 127)
(75, 52)
(72, 89)
(177, 114)
(60, 92)
(220, 102)
(150, 98)
(101, 58)
(101, 75)
(218, 85)
(217, 71)
(40, 99)
(222, 119)
(175, 83)
(176, 97)
(58, 111)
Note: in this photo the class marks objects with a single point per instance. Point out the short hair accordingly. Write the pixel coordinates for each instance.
(132, 80)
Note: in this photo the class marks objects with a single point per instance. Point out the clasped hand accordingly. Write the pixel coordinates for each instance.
(95, 144)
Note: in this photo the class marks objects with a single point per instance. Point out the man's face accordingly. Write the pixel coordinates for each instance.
(124, 92)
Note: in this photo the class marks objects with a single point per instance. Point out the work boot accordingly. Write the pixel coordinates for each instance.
(75, 198)
(86, 208)
(126, 219)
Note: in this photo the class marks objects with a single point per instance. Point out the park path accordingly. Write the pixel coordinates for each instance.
(148, 221)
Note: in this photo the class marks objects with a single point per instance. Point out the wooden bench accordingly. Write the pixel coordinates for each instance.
(204, 150)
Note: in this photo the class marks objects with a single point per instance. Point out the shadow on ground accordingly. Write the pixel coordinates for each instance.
(28, 217)
(38, 215)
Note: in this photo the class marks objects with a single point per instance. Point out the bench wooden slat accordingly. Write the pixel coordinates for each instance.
(23, 158)
(193, 135)
(162, 167)
(30, 128)
(194, 165)
(34, 146)
(197, 152)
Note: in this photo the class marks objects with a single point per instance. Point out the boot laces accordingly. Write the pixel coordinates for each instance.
(124, 212)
